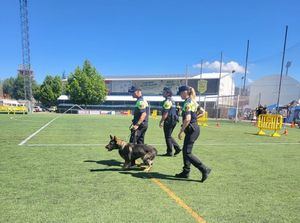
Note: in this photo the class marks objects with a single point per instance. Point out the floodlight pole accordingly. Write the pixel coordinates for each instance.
(201, 67)
(237, 108)
(259, 98)
(186, 75)
(288, 64)
(240, 90)
(1, 89)
(200, 78)
(246, 65)
(221, 61)
(282, 64)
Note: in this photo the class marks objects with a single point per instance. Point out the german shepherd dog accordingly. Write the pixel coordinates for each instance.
(130, 152)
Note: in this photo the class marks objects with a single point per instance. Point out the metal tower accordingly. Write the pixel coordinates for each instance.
(25, 69)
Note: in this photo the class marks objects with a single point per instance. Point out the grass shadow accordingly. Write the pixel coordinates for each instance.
(156, 175)
(110, 162)
(139, 173)
(255, 134)
(106, 170)
(250, 133)
(116, 169)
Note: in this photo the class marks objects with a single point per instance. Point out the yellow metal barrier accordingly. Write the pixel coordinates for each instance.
(269, 122)
(21, 109)
(154, 114)
(13, 109)
(202, 121)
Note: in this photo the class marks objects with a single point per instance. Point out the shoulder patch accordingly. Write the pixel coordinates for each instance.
(188, 106)
(142, 104)
(167, 104)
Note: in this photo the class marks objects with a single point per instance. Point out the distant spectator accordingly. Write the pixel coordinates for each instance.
(259, 110)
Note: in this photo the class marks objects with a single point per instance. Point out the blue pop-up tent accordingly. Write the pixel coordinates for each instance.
(294, 114)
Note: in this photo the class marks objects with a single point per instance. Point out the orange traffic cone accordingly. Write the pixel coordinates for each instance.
(293, 125)
(218, 124)
(285, 131)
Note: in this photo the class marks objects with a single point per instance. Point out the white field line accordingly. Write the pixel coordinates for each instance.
(208, 144)
(33, 134)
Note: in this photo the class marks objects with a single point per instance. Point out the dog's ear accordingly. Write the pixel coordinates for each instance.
(115, 138)
(111, 137)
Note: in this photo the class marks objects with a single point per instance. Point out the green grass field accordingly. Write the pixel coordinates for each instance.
(64, 174)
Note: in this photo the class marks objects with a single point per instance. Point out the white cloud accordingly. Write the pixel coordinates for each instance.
(226, 67)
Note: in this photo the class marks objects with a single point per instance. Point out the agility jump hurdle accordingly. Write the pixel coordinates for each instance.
(269, 122)
(202, 121)
(154, 114)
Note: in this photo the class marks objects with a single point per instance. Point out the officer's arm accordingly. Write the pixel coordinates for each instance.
(166, 108)
(163, 117)
(142, 118)
(186, 122)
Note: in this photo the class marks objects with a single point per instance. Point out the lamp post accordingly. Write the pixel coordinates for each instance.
(220, 75)
(246, 65)
(287, 66)
(1, 89)
(200, 79)
(240, 91)
(186, 74)
(232, 90)
(282, 63)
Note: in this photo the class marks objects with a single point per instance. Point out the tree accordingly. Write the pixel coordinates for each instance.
(14, 87)
(86, 85)
(18, 92)
(8, 86)
(50, 90)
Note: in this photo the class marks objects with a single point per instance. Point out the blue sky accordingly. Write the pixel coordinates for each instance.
(142, 37)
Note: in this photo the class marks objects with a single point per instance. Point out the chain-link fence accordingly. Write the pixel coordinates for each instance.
(234, 107)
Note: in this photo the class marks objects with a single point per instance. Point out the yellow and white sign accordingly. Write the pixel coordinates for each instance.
(202, 86)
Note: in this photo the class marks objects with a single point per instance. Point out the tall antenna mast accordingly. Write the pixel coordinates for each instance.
(25, 68)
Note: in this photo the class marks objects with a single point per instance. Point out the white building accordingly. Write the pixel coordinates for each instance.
(119, 98)
(265, 90)
(152, 86)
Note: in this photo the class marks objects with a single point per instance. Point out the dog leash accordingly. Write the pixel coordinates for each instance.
(135, 134)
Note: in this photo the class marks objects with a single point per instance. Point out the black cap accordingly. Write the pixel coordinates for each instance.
(133, 89)
(168, 91)
(182, 88)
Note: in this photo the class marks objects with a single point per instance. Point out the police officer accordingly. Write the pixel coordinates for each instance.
(169, 120)
(178, 109)
(139, 123)
(192, 132)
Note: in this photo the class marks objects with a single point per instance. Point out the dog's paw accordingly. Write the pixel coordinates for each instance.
(147, 169)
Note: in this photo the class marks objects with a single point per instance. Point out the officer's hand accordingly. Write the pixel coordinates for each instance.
(135, 127)
(160, 125)
(180, 135)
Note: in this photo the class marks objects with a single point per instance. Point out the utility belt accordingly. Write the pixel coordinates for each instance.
(142, 125)
(191, 128)
(172, 119)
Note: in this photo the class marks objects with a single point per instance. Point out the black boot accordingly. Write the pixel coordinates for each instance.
(133, 164)
(167, 154)
(183, 174)
(205, 174)
(177, 151)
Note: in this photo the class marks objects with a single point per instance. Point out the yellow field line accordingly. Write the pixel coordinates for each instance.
(180, 202)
